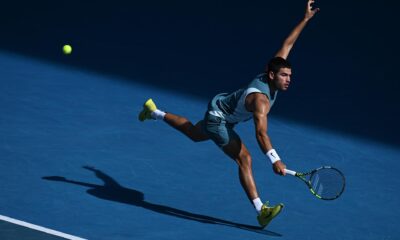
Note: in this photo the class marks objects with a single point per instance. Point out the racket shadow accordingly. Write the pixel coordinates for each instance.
(113, 191)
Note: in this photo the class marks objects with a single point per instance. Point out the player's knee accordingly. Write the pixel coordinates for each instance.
(244, 161)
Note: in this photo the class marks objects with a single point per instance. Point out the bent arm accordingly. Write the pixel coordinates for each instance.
(294, 34)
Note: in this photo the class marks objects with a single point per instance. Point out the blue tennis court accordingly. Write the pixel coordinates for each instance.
(76, 163)
(76, 159)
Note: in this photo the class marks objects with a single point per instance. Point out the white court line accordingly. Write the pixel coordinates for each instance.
(39, 228)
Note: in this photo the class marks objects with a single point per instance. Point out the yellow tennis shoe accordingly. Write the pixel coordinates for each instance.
(148, 107)
(268, 213)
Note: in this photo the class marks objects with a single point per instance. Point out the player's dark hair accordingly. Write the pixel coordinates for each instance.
(276, 63)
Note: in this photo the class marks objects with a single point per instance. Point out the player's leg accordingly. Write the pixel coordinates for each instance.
(194, 132)
(236, 150)
(226, 138)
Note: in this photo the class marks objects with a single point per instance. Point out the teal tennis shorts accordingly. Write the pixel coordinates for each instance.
(220, 131)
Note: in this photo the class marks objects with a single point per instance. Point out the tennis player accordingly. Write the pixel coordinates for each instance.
(226, 110)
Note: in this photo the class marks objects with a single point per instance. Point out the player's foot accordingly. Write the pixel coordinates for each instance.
(268, 213)
(148, 107)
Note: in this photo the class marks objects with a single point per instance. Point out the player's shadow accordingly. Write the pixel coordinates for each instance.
(113, 191)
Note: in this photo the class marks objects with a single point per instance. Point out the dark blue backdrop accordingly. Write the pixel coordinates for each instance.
(343, 62)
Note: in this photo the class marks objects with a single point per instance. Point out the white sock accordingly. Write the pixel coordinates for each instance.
(257, 204)
(158, 115)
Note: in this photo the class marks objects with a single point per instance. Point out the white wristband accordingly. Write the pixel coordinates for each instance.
(273, 156)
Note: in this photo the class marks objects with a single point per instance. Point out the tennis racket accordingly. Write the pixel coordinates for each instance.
(326, 183)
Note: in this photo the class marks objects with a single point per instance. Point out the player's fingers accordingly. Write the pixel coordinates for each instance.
(310, 3)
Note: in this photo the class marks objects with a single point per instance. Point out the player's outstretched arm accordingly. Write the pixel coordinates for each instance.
(291, 39)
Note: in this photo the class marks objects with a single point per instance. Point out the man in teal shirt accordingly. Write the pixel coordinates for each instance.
(226, 110)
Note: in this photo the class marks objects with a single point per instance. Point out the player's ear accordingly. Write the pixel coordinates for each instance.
(271, 75)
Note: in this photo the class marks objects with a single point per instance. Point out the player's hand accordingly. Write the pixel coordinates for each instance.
(310, 12)
(279, 168)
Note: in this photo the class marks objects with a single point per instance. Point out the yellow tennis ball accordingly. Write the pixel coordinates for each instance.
(67, 49)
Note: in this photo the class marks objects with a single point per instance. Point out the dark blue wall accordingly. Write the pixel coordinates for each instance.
(344, 74)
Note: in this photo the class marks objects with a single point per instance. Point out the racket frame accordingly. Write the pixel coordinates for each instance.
(302, 176)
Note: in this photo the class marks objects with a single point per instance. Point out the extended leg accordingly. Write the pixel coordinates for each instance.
(194, 132)
(182, 124)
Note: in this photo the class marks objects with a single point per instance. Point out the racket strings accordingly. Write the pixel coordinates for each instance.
(328, 183)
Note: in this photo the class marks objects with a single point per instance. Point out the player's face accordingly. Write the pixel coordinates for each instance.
(282, 78)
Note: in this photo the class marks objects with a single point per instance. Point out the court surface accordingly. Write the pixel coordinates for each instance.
(75, 159)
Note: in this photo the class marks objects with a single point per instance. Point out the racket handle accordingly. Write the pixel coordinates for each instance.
(290, 172)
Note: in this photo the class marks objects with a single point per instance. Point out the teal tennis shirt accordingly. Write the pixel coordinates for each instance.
(231, 106)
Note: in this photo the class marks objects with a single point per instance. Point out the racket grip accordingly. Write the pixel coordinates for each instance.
(290, 172)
